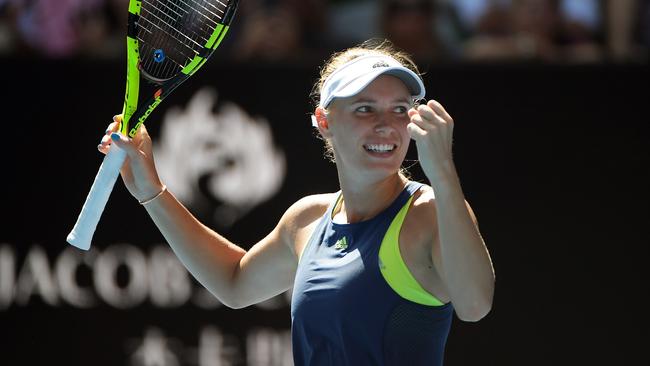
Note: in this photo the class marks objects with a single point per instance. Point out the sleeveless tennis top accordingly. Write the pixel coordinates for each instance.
(353, 305)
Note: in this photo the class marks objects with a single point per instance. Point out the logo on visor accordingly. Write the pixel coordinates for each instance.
(379, 64)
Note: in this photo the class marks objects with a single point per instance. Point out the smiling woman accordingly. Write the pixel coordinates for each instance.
(377, 268)
(390, 300)
(367, 53)
(373, 121)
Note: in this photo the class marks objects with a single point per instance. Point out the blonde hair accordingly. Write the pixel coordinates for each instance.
(369, 47)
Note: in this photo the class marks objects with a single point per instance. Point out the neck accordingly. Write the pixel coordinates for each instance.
(363, 200)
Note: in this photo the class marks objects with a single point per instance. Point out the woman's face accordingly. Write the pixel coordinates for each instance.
(368, 131)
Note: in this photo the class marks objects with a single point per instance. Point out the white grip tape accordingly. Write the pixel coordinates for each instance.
(82, 233)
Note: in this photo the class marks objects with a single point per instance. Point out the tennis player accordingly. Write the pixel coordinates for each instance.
(378, 268)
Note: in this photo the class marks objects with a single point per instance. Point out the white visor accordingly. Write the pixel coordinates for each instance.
(352, 77)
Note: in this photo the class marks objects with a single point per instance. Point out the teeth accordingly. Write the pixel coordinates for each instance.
(380, 147)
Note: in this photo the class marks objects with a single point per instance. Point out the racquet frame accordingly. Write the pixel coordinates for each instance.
(84, 229)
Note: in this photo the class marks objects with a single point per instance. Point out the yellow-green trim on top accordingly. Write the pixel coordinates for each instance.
(395, 271)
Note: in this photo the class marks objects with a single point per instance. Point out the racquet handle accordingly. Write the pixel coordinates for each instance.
(82, 233)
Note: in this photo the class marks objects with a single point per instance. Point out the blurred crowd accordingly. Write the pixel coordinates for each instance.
(290, 31)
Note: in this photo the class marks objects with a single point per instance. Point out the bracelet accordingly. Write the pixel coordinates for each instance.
(144, 202)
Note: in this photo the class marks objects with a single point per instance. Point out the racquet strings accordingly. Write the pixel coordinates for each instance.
(172, 32)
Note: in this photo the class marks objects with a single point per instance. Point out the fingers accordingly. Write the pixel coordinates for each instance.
(104, 144)
(440, 110)
(115, 125)
(142, 140)
(415, 131)
(123, 142)
(434, 112)
(106, 141)
(139, 143)
(430, 117)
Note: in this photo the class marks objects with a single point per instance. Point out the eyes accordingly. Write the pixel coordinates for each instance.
(367, 109)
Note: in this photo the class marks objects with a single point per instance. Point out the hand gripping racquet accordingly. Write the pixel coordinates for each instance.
(167, 41)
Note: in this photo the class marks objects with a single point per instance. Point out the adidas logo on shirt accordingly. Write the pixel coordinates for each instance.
(341, 243)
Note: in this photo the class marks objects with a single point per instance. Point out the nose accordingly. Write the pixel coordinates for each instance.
(382, 123)
(381, 128)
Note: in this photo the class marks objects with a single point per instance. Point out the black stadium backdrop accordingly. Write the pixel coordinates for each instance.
(553, 159)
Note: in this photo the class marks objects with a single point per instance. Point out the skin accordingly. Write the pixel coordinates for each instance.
(440, 241)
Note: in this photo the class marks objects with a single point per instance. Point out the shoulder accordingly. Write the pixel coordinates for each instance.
(305, 212)
(309, 206)
(424, 204)
(420, 222)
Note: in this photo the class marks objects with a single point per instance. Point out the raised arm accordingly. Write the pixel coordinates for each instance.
(236, 277)
(458, 251)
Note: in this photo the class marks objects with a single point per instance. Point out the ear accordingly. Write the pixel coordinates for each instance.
(321, 121)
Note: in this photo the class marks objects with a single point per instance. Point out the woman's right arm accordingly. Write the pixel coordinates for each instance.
(238, 278)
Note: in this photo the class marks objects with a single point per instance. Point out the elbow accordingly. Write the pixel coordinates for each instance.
(229, 299)
(473, 314)
(476, 306)
(475, 311)
(231, 295)
(235, 301)
(229, 303)
(234, 305)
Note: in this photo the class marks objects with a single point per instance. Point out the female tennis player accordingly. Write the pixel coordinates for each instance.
(377, 268)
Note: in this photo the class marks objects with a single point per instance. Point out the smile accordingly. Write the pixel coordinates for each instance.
(380, 147)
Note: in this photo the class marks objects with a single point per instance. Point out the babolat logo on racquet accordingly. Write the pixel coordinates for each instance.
(175, 38)
(146, 114)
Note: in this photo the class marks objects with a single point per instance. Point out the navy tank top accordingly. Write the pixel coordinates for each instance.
(345, 313)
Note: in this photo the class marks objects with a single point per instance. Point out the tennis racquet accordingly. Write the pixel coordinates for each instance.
(167, 41)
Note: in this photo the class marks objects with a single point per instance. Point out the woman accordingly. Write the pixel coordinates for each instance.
(375, 267)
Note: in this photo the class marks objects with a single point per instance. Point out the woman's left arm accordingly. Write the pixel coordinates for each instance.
(466, 267)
